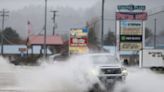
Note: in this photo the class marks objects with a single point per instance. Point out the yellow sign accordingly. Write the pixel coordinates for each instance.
(131, 31)
(78, 50)
(130, 46)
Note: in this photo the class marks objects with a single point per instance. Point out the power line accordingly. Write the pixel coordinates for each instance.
(4, 13)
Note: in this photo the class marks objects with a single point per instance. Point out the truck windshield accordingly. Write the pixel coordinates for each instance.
(104, 59)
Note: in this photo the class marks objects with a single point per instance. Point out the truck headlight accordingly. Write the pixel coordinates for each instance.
(95, 72)
(124, 72)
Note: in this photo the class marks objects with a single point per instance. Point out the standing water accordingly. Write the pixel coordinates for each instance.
(141, 80)
(63, 76)
(70, 76)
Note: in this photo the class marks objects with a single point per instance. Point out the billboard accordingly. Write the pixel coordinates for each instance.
(78, 41)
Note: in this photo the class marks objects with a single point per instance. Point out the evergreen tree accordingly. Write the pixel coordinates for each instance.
(92, 39)
(10, 36)
(110, 38)
(148, 33)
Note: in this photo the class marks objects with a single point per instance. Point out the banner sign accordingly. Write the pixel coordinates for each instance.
(131, 16)
(131, 7)
(125, 46)
(130, 38)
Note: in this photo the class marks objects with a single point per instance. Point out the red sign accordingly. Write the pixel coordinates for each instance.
(131, 16)
(22, 49)
(78, 41)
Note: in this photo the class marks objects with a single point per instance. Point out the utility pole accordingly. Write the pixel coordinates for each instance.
(102, 24)
(155, 26)
(45, 30)
(53, 18)
(4, 14)
(155, 31)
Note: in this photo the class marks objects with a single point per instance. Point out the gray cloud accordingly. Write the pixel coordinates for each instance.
(17, 4)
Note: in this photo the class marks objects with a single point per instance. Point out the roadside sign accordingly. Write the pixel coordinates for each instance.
(131, 16)
(131, 31)
(130, 35)
(131, 28)
(130, 38)
(78, 50)
(128, 46)
(131, 7)
(23, 49)
(78, 41)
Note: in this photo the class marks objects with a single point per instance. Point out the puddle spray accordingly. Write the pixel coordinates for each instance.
(141, 80)
(72, 76)
(69, 76)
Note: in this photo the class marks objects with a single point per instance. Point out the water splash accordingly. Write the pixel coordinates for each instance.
(141, 80)
(60, 76)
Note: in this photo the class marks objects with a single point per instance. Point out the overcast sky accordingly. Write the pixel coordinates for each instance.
(17, 4)
(91, 8)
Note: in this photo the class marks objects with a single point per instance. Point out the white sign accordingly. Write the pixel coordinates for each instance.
(131, 24)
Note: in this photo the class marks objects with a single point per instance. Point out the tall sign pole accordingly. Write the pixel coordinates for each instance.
(131, 28)
(3, 15)
(45, 30)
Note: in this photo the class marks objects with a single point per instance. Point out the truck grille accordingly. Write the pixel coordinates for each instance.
(111, 71)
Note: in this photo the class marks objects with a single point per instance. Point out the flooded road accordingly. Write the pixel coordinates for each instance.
(71, 77)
